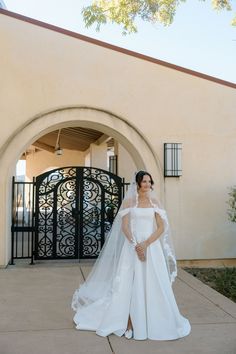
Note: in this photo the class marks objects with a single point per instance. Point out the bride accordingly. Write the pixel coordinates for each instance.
(129, 290)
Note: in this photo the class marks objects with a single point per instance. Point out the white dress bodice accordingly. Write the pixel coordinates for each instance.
(142, 223)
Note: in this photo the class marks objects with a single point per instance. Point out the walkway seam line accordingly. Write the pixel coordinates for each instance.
(82, 272)
(208, 297)
(109, 342)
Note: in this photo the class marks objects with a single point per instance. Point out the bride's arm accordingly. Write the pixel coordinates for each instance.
(127, 232)
(126, 228)
(156, 234)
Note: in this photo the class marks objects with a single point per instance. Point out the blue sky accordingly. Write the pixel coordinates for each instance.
(199, 39)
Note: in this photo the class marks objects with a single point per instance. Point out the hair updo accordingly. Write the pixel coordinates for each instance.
(139, 177)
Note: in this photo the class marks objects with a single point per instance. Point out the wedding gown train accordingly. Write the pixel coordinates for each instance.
(140, 289)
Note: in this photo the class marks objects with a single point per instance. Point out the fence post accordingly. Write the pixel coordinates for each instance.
(33, 222)
(12, 224)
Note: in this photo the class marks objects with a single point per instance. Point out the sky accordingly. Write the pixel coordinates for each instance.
(200, 38)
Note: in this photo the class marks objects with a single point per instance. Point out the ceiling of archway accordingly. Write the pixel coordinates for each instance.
(70, 138)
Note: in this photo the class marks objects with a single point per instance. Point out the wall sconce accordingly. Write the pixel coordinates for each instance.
(172, 160)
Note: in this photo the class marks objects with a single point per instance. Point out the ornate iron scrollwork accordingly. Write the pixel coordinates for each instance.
(75, 208)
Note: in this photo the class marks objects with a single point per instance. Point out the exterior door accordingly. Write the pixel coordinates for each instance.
(74, 211)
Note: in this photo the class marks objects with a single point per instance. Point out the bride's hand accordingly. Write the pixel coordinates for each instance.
(141, 250)
(141, 256)
(142, 246)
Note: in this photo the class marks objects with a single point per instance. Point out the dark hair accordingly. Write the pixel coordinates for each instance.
(139, 177)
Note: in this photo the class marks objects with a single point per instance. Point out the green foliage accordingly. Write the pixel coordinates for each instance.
(125, 12)
(226, 283)
(232, 204)
(233, 22)
(222, 280)
(221, 5)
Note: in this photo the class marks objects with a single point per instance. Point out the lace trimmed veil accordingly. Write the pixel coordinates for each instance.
(100, 282)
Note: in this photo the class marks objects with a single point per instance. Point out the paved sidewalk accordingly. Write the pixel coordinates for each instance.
(36, 317)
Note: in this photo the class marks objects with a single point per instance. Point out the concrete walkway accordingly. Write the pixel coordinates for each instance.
(36, 317)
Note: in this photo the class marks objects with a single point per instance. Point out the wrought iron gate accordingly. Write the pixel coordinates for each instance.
(23, 220)
(73, 213)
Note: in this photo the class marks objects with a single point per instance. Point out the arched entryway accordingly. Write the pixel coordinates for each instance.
(110, 124)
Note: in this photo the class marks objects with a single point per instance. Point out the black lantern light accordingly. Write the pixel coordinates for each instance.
(172, 160)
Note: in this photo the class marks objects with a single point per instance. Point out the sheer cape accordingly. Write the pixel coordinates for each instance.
(101, 281)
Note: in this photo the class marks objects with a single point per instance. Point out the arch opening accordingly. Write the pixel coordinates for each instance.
(128, 136)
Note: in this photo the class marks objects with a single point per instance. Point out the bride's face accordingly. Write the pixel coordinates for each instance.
(145, 185)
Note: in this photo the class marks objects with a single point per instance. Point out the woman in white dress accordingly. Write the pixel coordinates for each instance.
(129, 290)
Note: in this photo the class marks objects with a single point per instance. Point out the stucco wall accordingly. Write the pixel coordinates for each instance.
(126, 166)
(43, 161)
(98, 155)
(143, 105)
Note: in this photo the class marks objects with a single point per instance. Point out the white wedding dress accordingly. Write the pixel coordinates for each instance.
(140, 289)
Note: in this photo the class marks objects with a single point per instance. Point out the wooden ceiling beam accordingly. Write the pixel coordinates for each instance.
(103, 139)
(44, 146)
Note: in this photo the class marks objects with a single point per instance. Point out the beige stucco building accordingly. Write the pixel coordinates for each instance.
(52, 79)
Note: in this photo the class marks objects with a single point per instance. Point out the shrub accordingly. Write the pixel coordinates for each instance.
(232, 204)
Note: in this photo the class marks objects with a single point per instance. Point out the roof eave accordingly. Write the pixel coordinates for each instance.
(116, 48)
